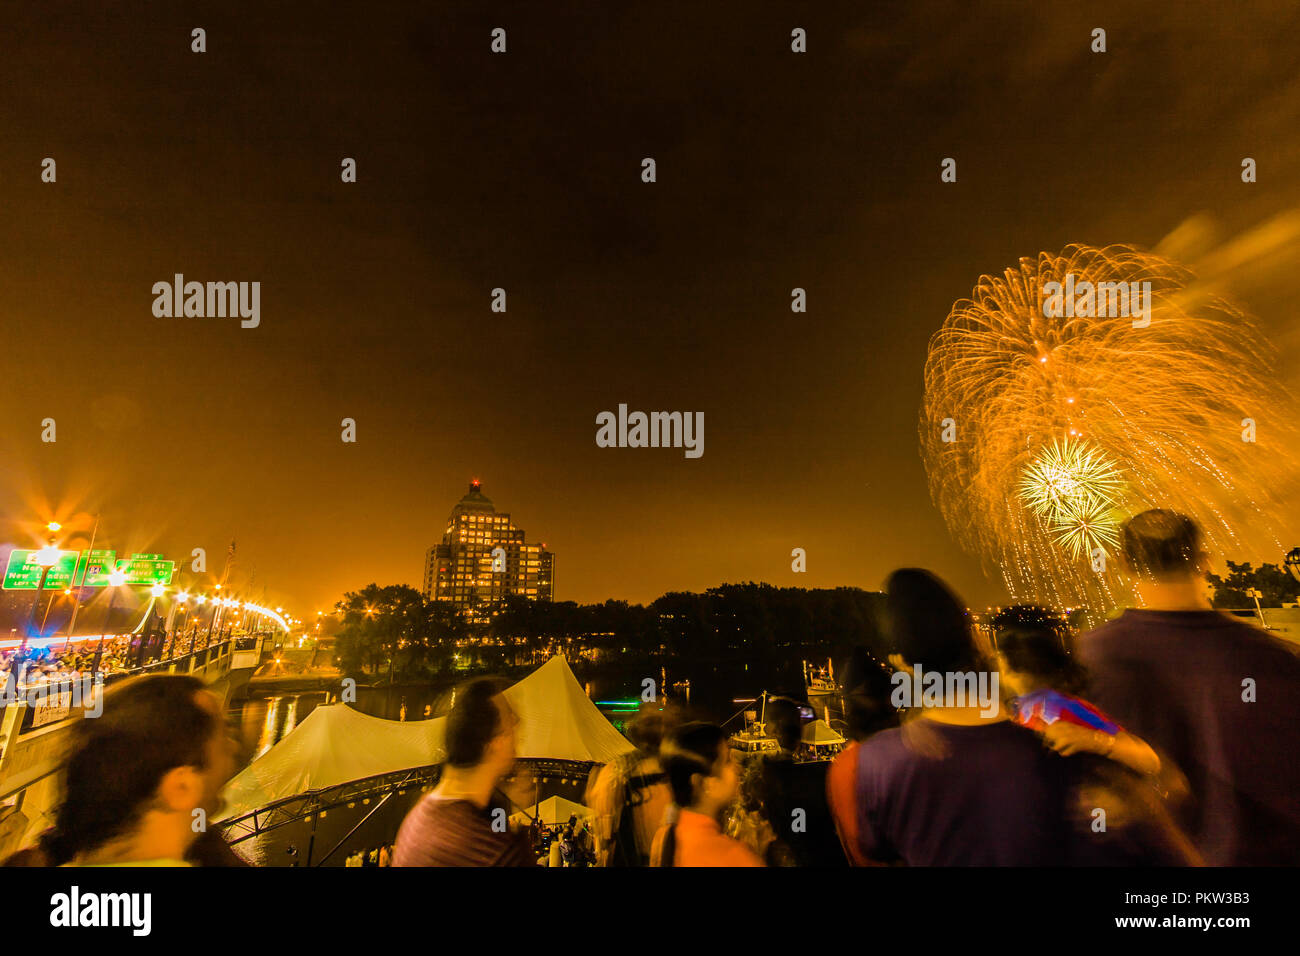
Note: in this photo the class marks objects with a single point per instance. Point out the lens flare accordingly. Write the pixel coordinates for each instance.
(1041, 431)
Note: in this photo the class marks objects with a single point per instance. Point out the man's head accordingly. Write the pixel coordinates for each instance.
(927, 624)
(700, 768)
(481, 728)
(1164, 546)
(158, 753)
(867, 687)
(648, 730)
(784, 722)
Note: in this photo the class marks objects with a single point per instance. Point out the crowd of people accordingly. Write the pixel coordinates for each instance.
(1166, 736)
(372, 856)
(50, 664)
(569, 844)
(55, 663)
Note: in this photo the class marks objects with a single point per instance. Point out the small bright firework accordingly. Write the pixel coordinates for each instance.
(1048, 420)
(1087, 526)
(1066, 476)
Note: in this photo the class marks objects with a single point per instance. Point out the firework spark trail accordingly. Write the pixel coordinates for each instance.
(1163, 404)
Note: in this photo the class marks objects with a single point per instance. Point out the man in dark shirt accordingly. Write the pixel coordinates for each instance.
(458, 824)
(960, 784)
(1217, 696)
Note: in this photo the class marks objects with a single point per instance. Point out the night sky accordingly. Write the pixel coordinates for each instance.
(523, 171)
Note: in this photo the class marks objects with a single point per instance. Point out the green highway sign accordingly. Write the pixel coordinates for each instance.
(95, 568)
(91, 568)
(147, 569)
(24, 574)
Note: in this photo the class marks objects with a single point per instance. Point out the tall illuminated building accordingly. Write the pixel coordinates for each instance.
(467, 568)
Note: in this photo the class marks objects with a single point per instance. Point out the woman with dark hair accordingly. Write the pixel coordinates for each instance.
(959, 784)
(705, 781)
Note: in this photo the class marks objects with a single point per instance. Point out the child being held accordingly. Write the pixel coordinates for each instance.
(1044, 684)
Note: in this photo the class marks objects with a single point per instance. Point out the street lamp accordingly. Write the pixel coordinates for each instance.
(47, 558)
(116, 578)
(77, 587)
(178, 607)
(1257, 594)
(156, 592)
(195, 623)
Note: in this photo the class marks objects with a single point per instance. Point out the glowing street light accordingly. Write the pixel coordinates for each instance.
(47, 557)
(116, 578)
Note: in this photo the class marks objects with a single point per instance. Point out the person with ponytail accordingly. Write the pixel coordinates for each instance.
(705, 782)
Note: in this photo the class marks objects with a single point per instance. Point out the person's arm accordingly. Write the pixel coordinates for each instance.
(1133, 752)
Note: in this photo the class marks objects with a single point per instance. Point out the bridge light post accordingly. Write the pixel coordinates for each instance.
(47, 558)
(116, 578)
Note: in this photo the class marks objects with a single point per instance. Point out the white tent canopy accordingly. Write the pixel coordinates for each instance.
(553, 810)
(819, 734)
(337, 744)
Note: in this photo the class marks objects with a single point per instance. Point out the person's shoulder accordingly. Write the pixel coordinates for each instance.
(882, 753)
(737, 854)
(884, 741)
(1109, 632)
(1278, 652)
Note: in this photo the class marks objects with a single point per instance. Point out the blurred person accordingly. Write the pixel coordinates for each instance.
(461, 823)
(705, 781)
(138, 777)
(867, 711)
(586, 844)
(630, 796)
(1111, 769)
(789, 797)
(959, 784)
(1218, 696)
(1043, 683)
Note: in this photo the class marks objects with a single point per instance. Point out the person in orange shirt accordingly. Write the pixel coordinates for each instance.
(705, 781)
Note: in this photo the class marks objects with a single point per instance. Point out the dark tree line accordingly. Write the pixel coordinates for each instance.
(392, 632)
(1275, 584)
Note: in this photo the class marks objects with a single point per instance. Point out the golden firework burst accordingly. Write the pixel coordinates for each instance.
(1043, 426)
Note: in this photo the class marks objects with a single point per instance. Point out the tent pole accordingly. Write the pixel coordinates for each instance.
(311, 841)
